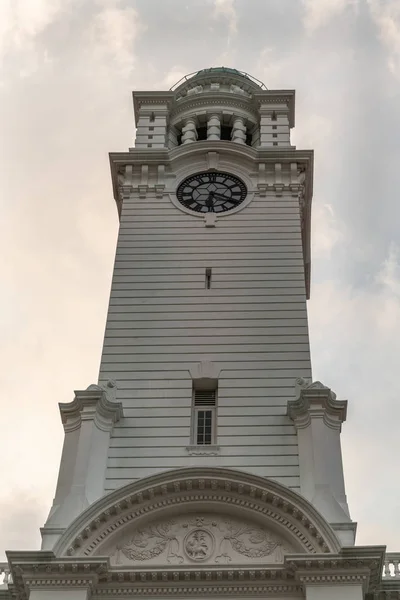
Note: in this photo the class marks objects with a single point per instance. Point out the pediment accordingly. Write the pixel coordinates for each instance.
(196, 538)
(179, 515)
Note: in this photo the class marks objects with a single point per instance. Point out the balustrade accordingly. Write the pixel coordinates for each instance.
(5, 574)
(391, 569)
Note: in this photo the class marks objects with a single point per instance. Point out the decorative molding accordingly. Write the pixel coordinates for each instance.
(210, 220)
(355, 565)
(212, 538)
(90, 404)
(211, 102)
(205, 375)
(212, 160)
(203, 450)
(183, 487)
(315, 400)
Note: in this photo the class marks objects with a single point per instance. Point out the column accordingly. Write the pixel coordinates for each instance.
(239, 131)
(189, 131)
(214, 128)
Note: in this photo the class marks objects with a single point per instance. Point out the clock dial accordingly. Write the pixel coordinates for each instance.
(211, 192)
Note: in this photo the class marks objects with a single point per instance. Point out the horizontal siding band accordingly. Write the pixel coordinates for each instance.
(237, 441)
(228, 270)
(176, 218)
(293, 283)
(126, 353)
(251, 210)
(293, 483)
(168, 323)
(127, 236)
(279, 245)
(271, 303)
(171, 451)
(172, 421)
(269, 288)
(116, 333)
(202, 340)
(132, 411)
(122, 467)
(125, 379)
(137, 471)
(259, 250)
(149, 229)
(218, 315)
(124, 360)
(259, 308)
(232, 255)
(180, 431)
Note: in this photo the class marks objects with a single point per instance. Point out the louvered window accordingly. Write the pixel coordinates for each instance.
(204, 416)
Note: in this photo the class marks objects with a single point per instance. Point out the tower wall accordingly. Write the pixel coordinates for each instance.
(162, 322)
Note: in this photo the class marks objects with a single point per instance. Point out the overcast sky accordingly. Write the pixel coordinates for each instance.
(68, 68)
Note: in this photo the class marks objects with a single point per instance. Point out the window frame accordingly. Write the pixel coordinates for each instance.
(196, 409)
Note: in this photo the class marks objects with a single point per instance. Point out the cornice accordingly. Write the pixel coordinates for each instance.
(315, 400)
(207, 101)
(277, 97)
(163, 99)
(362, 564)
(90, 404)
(355, 565)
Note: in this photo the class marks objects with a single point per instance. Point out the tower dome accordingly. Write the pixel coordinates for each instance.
(218, 78)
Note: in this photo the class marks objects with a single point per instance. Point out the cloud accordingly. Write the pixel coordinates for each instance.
(327, 231)
(25, 515)
(318, 13)
(355, 343)
(227, 10)
(386, 16)
(113, 33)
(174, 75)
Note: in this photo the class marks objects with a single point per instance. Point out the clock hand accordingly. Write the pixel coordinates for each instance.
(210, 202)
(221, 197)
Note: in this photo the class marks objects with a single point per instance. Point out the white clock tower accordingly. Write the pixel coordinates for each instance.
(205, 460)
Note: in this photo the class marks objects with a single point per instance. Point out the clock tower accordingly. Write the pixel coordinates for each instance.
(206, 359)
(205, 460)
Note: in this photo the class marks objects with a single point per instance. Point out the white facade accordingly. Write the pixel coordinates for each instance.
(206, 328)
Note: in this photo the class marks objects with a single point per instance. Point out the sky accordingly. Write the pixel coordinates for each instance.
(67, 71)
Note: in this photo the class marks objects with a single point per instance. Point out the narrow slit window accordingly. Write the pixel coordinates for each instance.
(208, 278)
(274, 118)
(204, 417)
(152, 117)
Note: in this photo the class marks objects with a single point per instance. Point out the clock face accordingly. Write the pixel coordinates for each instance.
(211, 192)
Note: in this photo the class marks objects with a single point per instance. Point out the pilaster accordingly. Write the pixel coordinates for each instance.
(88, 421)
(318, 418)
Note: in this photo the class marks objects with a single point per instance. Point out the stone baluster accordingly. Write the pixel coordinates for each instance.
(189, 131)
(214, 128)
(396, 563)
(239, 131)
(5, 574)
(386, 568)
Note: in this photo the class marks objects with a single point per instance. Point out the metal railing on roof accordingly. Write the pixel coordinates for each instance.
(215, 70)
